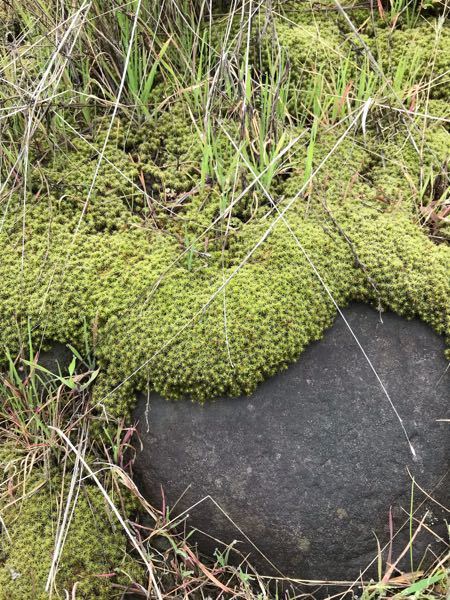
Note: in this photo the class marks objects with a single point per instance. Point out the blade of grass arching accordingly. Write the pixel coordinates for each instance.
(379, 559)
(149, 82)
(328, 291)
(415, 589)
(65, 519)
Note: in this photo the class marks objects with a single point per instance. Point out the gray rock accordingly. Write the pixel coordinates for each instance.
(57, 359)
(309, 465)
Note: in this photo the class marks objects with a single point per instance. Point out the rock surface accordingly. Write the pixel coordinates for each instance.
(310, 464)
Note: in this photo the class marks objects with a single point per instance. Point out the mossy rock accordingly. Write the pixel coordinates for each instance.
(135, 267)
(313, 470)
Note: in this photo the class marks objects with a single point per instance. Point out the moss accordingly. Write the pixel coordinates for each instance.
(139, 293)
(126, 274)
(133, 286)
(410, 57)
(406, 57)
(94, 553)
(311, 48)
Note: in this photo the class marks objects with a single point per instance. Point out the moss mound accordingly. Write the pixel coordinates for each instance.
(149, 303)
(94, 558)
(143, 263)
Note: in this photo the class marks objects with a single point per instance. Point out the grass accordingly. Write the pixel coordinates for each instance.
(70, 69)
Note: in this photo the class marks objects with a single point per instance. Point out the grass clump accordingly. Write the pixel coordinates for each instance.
(59, 535)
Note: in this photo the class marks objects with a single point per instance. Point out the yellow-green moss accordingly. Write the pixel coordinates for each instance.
(135, 290)
(125, 276)
(94, 555)
(421, 54)
(408, 57)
